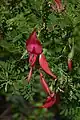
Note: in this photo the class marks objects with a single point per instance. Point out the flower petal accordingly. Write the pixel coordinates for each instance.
(30, 75)
(69, 64)
(49, 104)
(58, 4)
(32, 59)
(44, 84)
(33, 45)
(44, 65)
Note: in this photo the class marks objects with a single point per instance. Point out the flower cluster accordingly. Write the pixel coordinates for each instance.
(35, 52)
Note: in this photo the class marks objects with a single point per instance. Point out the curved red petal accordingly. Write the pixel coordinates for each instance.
(44, 65)
(32, 59)
(30, 75)
(32, 38)
(49, 104)
(44, 84)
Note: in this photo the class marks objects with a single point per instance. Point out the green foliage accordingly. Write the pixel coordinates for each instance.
(56, 32)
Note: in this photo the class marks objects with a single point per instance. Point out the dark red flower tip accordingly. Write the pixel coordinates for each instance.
(33, 45)
(48, 104)
(50, 101)
(53, 99)
(69, 64)
(44, 65)
(50, 97)
(44, 84)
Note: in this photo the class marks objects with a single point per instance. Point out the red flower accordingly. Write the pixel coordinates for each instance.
(69, 64)
(51, 100)
(34, 49)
